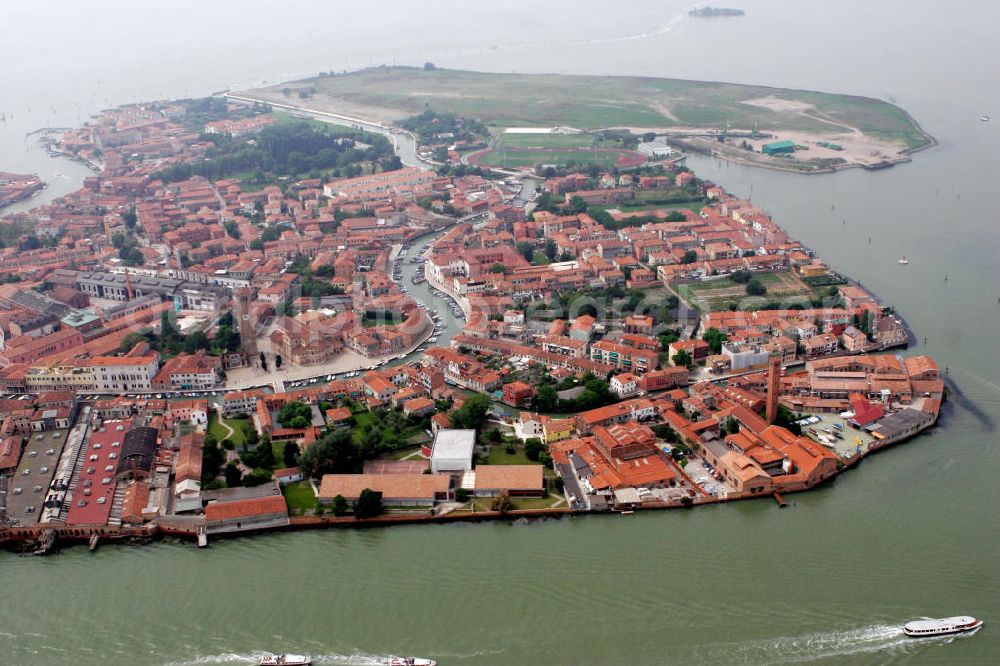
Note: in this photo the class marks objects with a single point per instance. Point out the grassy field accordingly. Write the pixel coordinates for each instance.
(529, 157)
(593, 102)
(239, 430)
(486, 503)
(499, 456)
(545, 140)
(626, 207)
(720, 293)
(299, 497)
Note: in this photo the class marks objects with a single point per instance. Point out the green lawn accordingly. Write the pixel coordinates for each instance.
(720, 293)
(239, 427)
(499, 456)
(216, 430)
(278, 448)
(360, 420)
(485, 503)
(594, 102)
(527, 157)
(545, 140)
(299, 497)
(631, 208)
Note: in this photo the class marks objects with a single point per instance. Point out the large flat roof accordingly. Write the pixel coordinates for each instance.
(29, 474)
(392, 486)
(450, 443)
(105, 442)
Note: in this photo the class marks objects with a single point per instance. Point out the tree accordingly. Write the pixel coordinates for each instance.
(526, 249)
(714, 337)
(295, 414)
(533, 448)
(369, 504)
(472, 414)
(339, 505)
(668, 339)
(277, 361)
(545, 398)
(334, 453)
(234, 477)
(130, 218)
(258, 477)
(740, 277)
(166, 328)
(551, 249)
(682, 358)
(755, 287)
(291, 454)
(577, 205)
(732, 426)
(675, 216)
(502, 503)
(461, 495)
(689, 257)
(212, 458)
(497, 268)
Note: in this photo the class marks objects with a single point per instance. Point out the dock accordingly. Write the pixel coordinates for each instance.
(779, 499)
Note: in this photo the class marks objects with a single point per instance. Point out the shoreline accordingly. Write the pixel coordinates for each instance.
(151, 533)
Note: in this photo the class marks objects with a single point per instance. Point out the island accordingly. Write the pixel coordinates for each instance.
(826, 131)
(16, 187)
(254, 320)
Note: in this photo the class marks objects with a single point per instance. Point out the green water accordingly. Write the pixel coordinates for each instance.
(912, 531)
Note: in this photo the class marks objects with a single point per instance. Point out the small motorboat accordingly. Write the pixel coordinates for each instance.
(903, 260)
(961, 624)
(285, 660)
(985, 119)
(410, 661)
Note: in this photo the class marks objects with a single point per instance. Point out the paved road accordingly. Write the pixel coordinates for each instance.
(571, 486)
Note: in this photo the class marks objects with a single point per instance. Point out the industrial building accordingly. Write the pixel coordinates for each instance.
(779, 148)
(452, 450)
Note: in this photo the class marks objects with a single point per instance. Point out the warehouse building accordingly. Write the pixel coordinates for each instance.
(779, 148)
(452, 450)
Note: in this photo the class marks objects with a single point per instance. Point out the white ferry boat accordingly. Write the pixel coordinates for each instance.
(947, 625)
(285, 660)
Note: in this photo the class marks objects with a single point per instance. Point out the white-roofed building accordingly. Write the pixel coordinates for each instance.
(452, 450)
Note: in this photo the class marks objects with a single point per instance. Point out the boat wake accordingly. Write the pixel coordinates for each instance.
(821, 645)
(666, 28)
(254, 658)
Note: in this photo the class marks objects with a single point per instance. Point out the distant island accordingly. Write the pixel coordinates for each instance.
(711, 12)
(15, 186)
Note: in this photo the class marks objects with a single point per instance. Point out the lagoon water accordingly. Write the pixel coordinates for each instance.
(912, 531)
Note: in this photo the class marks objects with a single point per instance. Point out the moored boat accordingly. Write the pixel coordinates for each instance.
(959, 624)
(285, 660)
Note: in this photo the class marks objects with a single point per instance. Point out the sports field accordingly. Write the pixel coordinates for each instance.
(546, 140)
(605, 158)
